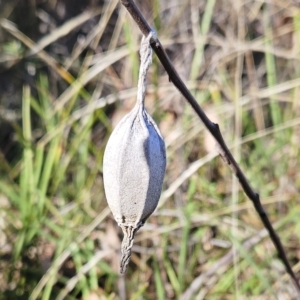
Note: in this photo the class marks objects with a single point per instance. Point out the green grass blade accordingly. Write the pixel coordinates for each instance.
(160, 291)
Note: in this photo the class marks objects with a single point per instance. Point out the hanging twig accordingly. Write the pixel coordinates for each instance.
(214, 130)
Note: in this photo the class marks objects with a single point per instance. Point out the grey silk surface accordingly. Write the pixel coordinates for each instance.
(134, 164)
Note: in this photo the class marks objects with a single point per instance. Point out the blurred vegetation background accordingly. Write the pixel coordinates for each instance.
(68, 73)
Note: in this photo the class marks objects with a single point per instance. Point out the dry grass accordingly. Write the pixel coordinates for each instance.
(65, 83)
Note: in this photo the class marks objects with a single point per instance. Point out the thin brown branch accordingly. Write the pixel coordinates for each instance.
(215, 131)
